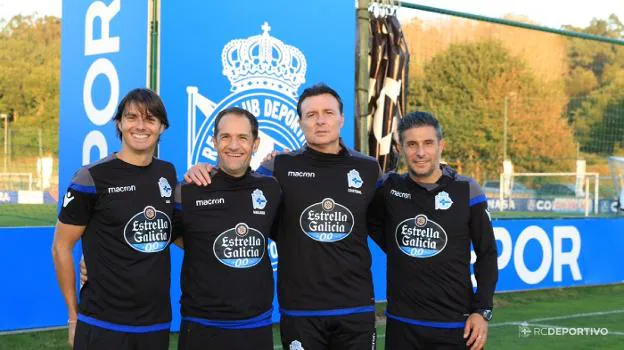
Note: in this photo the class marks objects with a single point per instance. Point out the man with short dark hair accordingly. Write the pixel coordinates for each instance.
(325, 287)
(425, 221)
(227, 279)
(325, 284)
(121, 207)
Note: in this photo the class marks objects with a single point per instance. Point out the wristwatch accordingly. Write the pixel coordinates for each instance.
(485, 313)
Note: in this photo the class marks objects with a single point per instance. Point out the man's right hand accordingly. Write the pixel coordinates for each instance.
(269, 157)
(199, 174)
(83, 272)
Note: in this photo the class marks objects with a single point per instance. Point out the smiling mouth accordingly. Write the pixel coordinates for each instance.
(234, 155)
(140, 136)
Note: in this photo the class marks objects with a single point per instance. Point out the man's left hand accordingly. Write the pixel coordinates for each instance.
(476, 331)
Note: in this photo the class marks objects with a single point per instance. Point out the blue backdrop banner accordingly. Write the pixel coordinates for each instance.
(532, 254)
(103, 56)
(254, 55)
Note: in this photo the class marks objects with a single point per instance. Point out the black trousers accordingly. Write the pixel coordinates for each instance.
(349, 332)
(90, 337)
(404, 336)
(194, 336)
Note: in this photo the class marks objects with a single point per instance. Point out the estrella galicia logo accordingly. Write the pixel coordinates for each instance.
(258, 199)
(149, 231)
(354, 179)
(240, 247)
(265, 75)
(443, 201)
(420, 237)
(326, 221)
(165, 188)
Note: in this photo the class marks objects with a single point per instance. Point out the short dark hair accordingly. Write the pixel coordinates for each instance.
(144, 98)
(417, 119)
(241, 112)
(315, 90)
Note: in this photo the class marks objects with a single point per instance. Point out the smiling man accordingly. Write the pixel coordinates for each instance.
(325, 286)
(425, 221)
(227, 279)
(121, 208)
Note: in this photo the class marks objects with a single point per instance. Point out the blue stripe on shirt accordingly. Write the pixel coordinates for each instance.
(124, 328)
(427, 323)
(261, 320)
(478, 199)
(264, 171)
(332, 312)
(82, 188)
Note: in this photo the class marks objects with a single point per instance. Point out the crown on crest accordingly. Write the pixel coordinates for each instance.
(262, 61)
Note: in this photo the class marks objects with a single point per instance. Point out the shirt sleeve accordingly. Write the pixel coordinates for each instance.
(484, 243)
(375, 216)
(274, 234)
(267, 167)
(79, 200)
(178, 224)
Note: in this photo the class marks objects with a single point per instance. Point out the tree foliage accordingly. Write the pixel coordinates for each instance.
(466, 86)
(29, 78)
(596, 88)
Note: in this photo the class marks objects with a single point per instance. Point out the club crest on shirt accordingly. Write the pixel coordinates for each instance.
(354, 179)
(165, 188)
(258, 201)
(295, 345)
(240, 247)
(443, 201)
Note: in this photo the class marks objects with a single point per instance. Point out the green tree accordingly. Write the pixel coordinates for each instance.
(595, 86)
(466, 87)
(29, 79)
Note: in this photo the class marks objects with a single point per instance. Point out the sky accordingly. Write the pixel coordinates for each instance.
(550, 13)
(10, 8)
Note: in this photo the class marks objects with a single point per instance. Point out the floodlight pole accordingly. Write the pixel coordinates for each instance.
(505, 129)
(6, 139)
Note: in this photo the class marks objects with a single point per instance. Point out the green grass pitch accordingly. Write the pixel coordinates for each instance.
(594, 307)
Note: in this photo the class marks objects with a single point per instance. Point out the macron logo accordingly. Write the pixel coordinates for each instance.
(120, 189)
(68, 198)
(400, 194)
(307, 174)
(206, 202)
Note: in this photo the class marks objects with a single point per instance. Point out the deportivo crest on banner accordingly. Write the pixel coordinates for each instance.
(265, 75)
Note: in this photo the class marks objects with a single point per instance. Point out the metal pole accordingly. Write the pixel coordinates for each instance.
(586, 196)
(154, 48)
(512, 23)
(596, 193)
(6, 140)
(361, 93)
(40, 159)
(505, 130)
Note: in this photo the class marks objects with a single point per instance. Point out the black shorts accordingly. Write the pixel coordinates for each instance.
(405, 336)
(349, 332)
(90, 337)
(194, 336)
